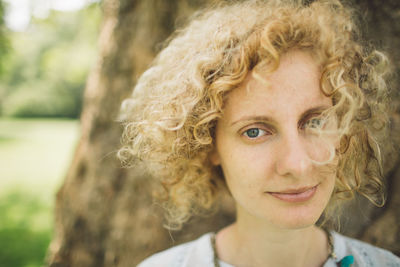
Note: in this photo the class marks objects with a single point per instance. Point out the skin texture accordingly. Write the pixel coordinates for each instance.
(266, 146)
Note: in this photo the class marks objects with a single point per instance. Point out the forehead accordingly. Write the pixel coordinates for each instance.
(294, 86)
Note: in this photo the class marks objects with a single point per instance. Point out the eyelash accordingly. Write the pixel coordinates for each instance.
(262, 131)
(311, 121)
(245, 133)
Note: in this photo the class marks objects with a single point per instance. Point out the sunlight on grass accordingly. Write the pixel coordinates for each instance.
(35, 154)
(25, 230)
(34, 157)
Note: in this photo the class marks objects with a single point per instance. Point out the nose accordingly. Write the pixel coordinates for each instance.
(292, 158)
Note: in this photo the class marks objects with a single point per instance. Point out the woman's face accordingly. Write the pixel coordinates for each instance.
(266, 146)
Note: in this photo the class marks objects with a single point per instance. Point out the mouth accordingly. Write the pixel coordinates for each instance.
(295, 195)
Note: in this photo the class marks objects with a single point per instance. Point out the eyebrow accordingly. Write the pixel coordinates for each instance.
(306, 113)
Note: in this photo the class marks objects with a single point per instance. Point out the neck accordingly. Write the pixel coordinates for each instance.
(256, 243)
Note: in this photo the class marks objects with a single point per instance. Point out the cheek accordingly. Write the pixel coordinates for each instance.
(245, 171)
(244, 159)
(320, 150)
(329, 182)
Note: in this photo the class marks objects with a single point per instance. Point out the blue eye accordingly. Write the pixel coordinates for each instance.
(254, 132)
(314, 123)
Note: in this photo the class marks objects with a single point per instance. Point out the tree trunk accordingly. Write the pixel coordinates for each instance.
(104, 214)
(381, 226)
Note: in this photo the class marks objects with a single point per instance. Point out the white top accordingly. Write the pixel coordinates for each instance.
(199, 253)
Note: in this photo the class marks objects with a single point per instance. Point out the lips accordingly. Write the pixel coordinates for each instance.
(295, 195)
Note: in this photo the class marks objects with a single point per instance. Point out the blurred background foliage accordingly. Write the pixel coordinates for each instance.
(43, 70)
(4, 42)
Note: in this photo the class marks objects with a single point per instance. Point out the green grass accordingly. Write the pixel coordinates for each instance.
(34, 156)
(25, 230)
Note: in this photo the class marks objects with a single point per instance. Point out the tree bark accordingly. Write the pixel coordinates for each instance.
(104, 214)
(379, 21)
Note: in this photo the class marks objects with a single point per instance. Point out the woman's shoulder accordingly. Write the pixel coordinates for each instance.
(198, 252)
(364, 254)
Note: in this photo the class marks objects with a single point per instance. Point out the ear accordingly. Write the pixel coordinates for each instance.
(214, 158)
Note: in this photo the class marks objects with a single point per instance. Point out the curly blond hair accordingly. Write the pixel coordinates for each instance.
(171, 117)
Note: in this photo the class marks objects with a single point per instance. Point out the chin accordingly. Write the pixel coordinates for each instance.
(298, 223)
(301, 215)
(297, 217)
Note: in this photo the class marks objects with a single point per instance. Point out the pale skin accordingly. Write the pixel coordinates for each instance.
(266, 153)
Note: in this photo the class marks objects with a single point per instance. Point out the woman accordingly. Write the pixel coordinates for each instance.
(278, 104)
